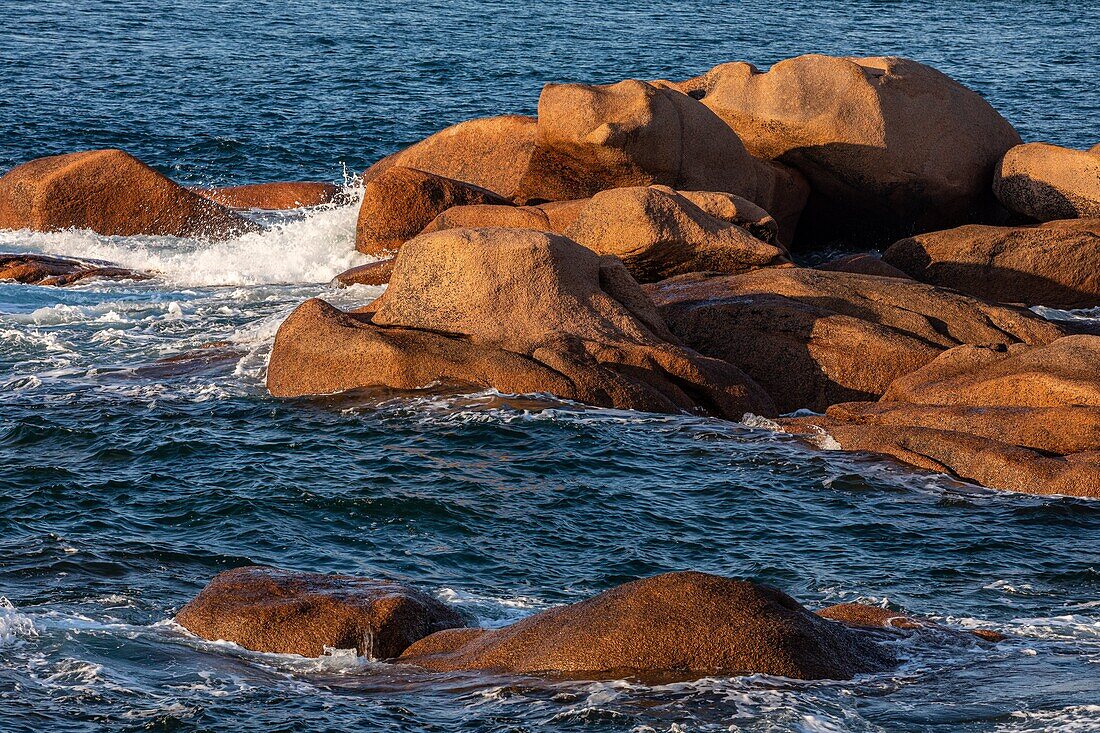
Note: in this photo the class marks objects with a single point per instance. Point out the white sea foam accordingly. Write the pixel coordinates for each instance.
(15, 627)
(1070, 719)
(313, 248)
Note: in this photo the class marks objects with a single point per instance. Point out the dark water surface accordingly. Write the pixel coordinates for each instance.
(126, 484)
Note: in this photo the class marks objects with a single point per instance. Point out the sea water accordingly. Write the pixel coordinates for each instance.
(136, 464)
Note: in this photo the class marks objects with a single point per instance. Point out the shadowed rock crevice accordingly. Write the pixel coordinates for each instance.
(888, 145)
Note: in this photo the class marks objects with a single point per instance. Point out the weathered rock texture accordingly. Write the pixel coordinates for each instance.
(685, 624)
(812, 338)
(492, 153)
(480, 216)
(887, 144)
(372, 273)
(592, 138)
(399, 202)
(283, 612)
(516, 310)
(1022, 418)
(1053, 264)
(1061, 373)
(34, 269)
(1047, 182)
(273, 196)
(658, 233)
(109, 192)
(863, 616)
(862, 264)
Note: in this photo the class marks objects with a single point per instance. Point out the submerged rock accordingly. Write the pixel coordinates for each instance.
(989, 462)
(273, 196)
(1053, 264)
(1048, 182)
(863, 616)
(516, 310)
(35, 269)
(592, 138)
(285, 612)
(685, 624)
(112, 193)
(400, 202)
(887, 144)
(658, 233)
(492, 153)
(812, 338)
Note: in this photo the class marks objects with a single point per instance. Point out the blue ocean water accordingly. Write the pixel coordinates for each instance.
(131, 471)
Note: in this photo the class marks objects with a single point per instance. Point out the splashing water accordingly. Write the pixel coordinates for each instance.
(305, 247)
(141, 454)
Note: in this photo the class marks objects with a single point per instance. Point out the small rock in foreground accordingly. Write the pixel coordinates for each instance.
(284, 612)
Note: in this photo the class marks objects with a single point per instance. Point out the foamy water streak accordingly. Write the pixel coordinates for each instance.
(310, 246)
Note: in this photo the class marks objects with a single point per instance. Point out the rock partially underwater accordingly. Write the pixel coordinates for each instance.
(109, 192)
(284, 612)
(515, 310)
(35, 269)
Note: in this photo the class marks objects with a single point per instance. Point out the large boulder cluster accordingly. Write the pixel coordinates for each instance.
(636, 245)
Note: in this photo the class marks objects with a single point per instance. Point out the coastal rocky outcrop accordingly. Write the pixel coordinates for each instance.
(372, 273)
(1019, 417)
(658, 233)
(399, 202)
(1060, 373)
(273, 196)
(591, 138)
(109, 192)
(1053, 264)
(813, 338)
(515, 310)
(479, 216)
(1046, 182)
(284, 612)
(493, 153)
(685, 624)
(35, 269)
(888, 145)
(559, 216)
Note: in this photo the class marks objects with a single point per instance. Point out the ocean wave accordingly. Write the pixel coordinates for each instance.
(311, 248)
(15, 627)
(1069, 719)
